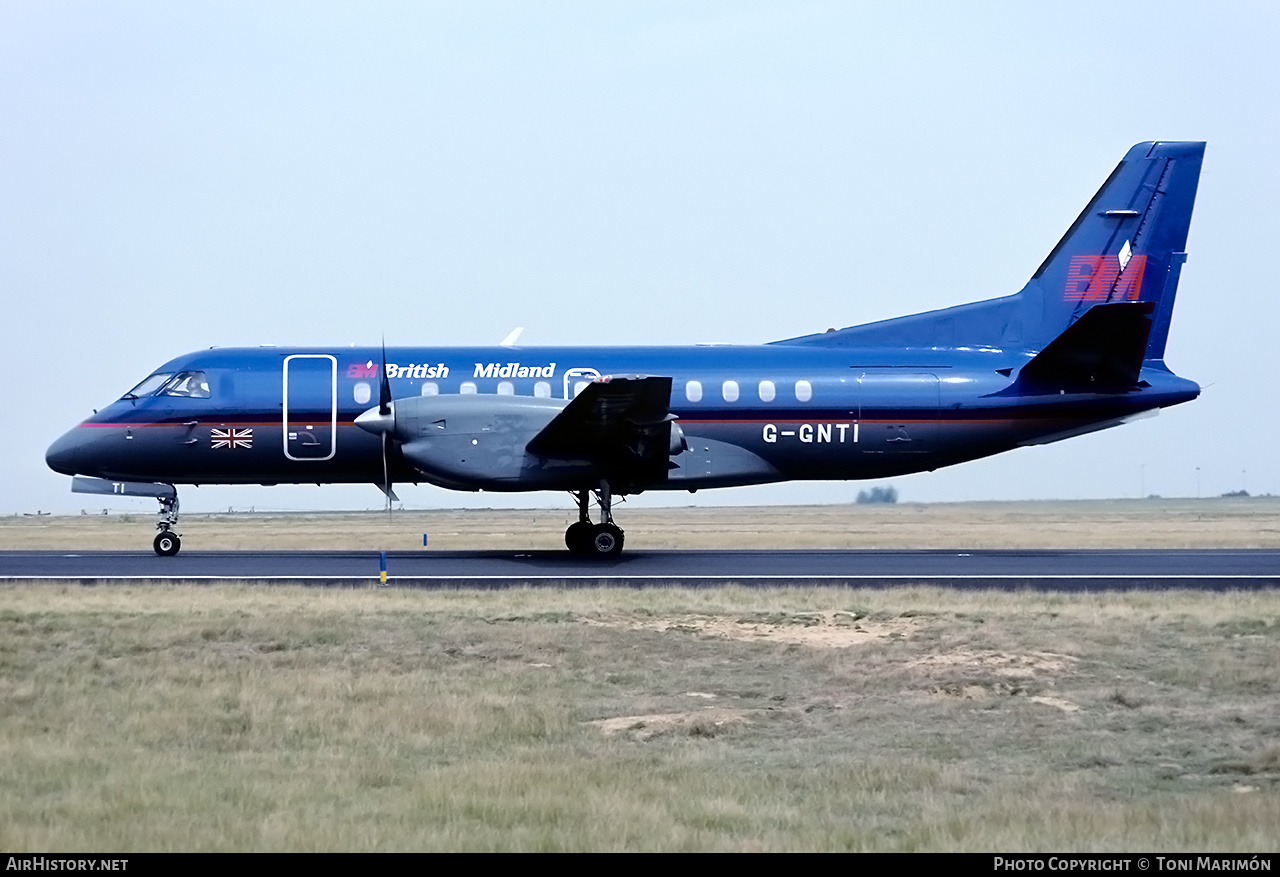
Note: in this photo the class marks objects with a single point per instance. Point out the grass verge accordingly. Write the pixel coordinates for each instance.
(243, 717)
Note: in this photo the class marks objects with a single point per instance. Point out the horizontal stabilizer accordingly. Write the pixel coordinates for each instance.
(1101, 352)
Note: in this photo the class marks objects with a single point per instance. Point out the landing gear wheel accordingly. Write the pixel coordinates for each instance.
(606, 540)
(578, 537)
(167, 544)
(602, 540)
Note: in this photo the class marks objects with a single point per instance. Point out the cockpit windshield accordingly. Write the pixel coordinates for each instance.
(149, 386)
(191, 384)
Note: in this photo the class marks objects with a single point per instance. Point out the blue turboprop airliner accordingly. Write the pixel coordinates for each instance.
(1080, 348)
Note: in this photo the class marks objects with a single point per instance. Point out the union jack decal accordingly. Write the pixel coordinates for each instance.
(232, 438)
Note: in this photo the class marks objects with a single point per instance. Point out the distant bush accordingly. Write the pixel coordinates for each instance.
(1236, 493)
(878, 494)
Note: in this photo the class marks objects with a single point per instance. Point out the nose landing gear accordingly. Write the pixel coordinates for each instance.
(595, 540)
(167, 543)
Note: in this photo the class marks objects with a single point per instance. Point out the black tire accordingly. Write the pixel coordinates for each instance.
(167, 544)
(578, 537)
(606, 540)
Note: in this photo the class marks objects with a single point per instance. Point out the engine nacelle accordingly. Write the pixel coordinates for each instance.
(474, 442)
(477, 442)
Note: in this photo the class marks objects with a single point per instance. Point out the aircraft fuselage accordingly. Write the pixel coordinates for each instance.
(749, 414)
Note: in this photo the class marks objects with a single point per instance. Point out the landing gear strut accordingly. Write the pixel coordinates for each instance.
(167, 542)
(595, 540)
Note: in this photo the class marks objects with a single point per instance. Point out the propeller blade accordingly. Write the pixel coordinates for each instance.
(384, 408)
(386, 475)
(384, 384)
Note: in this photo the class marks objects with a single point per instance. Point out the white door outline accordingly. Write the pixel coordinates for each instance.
(589, 374)
(333, 406)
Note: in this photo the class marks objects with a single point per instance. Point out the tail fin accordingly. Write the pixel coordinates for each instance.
(1127, 245)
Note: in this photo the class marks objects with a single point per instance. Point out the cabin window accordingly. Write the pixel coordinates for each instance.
(767, 391)
(506, 388)
(804, 391)
(149, 386)
(362, 393)
(430, 388)
(730, 391)
(542, 390)
(693, 391)
(468, 388)
(193, 385)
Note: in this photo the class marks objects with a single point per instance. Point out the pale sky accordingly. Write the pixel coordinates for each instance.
(175, 176)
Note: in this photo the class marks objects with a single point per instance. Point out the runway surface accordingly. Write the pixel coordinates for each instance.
(1047, 569)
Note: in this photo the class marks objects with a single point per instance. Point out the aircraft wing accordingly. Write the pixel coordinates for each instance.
(622, 424)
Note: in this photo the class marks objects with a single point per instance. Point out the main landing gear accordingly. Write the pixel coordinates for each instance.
(167, 542)
(595, 540)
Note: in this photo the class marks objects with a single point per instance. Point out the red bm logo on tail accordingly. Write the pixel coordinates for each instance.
(1103, 278)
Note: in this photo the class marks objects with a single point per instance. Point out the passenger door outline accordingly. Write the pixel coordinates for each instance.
(293, 432)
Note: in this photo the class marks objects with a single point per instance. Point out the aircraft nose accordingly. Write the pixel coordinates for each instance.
(65, 453)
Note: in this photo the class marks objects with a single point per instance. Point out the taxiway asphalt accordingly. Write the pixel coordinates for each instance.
(1211, 569)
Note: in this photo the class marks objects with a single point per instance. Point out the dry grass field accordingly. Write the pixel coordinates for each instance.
(1207, 523)
(241, 717)
(255, 717)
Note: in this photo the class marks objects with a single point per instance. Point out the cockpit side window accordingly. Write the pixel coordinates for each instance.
(149, 386)
(191, 384)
